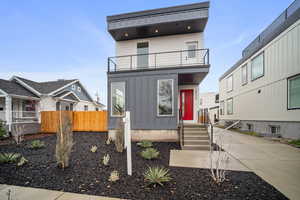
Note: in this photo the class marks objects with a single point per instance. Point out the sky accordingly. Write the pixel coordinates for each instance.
(66, 39)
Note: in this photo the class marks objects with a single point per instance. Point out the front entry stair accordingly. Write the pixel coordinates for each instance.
(195, 137)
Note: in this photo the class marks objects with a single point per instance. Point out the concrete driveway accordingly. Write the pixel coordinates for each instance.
(276, 163)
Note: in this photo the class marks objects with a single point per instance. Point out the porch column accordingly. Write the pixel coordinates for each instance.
(8, 112)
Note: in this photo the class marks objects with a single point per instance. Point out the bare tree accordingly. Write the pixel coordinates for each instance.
(64, 142)
(119, 140)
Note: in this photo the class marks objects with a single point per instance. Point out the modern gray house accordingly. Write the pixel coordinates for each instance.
(159, 63)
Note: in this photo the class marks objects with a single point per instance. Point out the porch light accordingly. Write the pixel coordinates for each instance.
(189, 27)
(126, 34)
(156, 30)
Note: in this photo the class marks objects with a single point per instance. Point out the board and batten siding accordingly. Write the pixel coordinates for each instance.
(156, 45)
(141, 101)
(282, 60)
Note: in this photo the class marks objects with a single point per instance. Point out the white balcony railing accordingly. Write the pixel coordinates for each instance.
(24, 116)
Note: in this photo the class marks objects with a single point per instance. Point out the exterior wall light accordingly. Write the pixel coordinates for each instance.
(156, 30)
(189, 27)
(126, 34)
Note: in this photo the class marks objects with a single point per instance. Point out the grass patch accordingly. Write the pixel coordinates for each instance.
(240, 131)
(295, 142)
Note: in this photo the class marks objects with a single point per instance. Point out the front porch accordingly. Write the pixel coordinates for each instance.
(18, 110)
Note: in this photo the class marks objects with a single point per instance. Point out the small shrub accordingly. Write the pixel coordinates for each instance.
(94, 149)
(22, 161)
(157, 175)
(108, 141)
(9, 157)
(114, 176)
(105, 159)
(150, 153)
(145, 144)
(37, 144)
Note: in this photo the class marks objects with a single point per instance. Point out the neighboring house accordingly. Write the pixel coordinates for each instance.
(263, 88)
(160, 62)
(21, 100)
(209, 107)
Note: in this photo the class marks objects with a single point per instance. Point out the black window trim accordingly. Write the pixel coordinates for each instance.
(263, 53)
(287, 93)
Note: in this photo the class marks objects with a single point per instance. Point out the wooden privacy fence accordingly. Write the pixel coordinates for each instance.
(82, 121)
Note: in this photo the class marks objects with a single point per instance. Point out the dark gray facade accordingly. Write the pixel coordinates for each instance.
(141, 96)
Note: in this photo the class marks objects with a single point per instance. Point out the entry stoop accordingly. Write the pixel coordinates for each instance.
(195, 137)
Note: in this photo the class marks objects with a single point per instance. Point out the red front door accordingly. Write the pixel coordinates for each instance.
(187, 104)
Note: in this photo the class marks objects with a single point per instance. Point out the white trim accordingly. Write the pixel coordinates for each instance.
(111, 95)
(69, 94)
(3, 92)
(24, 97)
(63, 87)
(26, 86)
(82, 87)
(288, 92)
(157, 99)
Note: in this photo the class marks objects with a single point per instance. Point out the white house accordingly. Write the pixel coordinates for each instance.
(22, 100)
(209, 107)
(263, 88)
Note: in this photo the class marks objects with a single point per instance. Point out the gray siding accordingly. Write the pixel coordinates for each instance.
(82, 95)
(141, 101)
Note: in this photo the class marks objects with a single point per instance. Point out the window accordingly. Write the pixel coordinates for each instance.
(192, 46)
(165, 97)
(275, 130)
(230, 83)
(244, 75)
(1, 109)
(201, 101)
(86, 108)
(117, 98)
(97, 109)
(222, 108)
(257, 66)
(217, 98)
(79, 89)
(73, 87)
(71, 107)
(294, 92)
(28, 105)
(142, 60)
(250, 127)
(229, 106)
(57, 106)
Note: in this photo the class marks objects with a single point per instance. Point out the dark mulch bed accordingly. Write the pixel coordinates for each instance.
(10, 140)
(86, 174)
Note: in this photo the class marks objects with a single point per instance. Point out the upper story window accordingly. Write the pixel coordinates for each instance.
(165, 97)
(73, 87)
(244, 74)
(230, 83)
(143, 60)
(191, 47)
(229, 106)
(117, 99)
(222, 107)
(294, 92)
(257, 67)
(79, 89)
(217, 98)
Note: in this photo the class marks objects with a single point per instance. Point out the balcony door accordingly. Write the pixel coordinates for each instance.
(191, 53)
(143, 60)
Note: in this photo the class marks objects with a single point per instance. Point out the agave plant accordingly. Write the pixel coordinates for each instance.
(22, 161)
(37, 144)
(145, 144)
(105, 159)
(94, 149)
(9, 157)
(157, 175)
(114, 176)
(150, 153)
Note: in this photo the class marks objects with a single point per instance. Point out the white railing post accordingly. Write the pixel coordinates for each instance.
(127, 138)
(8, 111)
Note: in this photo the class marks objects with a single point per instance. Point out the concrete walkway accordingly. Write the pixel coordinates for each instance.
(27, 193)
(276, 163)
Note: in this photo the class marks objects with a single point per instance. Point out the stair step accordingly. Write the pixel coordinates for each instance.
(195, 132)
(196, 142)
(195, 125)
(195, 147)
(195, 129)
(196, 137)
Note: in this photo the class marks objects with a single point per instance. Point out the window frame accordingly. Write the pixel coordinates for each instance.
(222, 107)
(245, 66)
(288, 91)
(157, 99)
(73, 87)
(263, 74)
(111, 96)
(79, 89)
(228, 106)
(231, 76)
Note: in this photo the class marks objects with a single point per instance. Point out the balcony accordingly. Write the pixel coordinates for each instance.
(159, 60)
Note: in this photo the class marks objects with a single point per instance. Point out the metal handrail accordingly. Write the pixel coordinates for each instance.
(156, 60)
(181, 128)
(211, 136)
